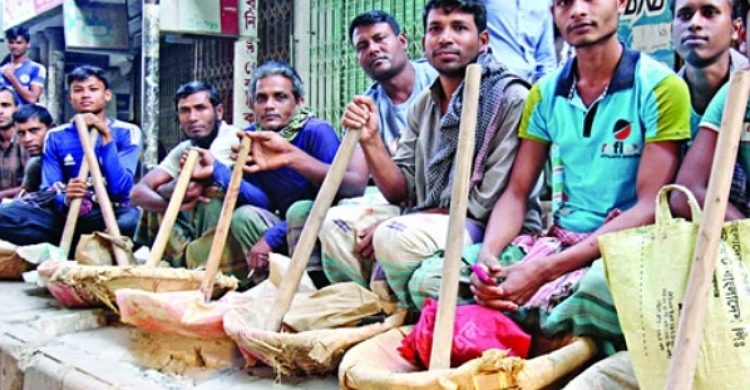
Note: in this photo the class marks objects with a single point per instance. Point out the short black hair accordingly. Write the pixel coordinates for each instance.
(12, 93)
(18, 31)
(83, 72)
(196, 86)
(30, 111)
(277, 68)
(372, 17)
(474, 7)
(740, 9)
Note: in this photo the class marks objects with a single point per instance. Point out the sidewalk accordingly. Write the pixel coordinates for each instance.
(44, 346)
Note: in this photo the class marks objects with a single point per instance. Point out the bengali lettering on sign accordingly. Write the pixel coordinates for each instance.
(245, 61)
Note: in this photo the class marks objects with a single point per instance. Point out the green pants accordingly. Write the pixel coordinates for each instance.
(249, 223)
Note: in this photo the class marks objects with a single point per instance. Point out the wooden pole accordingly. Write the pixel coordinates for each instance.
(442, 341)
(681, 372)
(110, 221)
(309, 234)
(75, 204)
(170, 215)
(225, 219)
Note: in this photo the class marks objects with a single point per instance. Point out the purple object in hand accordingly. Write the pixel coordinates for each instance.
(481, 274)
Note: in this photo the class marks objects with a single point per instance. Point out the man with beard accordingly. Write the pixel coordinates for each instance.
(12, 158)
(417, 177)
(199, 114)
(117, 148)
(381, 51)
(20, 73)
(291, 153)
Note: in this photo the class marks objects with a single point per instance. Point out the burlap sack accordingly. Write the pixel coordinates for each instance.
(96, 249)
(87, 285)
(314, 352)
(186, 313)
(376, 364)
(338, 305)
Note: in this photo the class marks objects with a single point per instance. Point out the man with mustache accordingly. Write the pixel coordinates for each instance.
(291, 153)
(380, 47)
(417, 177)
(32, 122)
(200, 116)
(617, 119)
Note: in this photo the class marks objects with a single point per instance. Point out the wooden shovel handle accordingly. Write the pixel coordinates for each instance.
(309, 235)
(75, 205)
(225, 219)
(173, 208)
(681, 370)
(442, 342)
(110, 221)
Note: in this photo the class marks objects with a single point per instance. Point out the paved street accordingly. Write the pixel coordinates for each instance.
(43, 346)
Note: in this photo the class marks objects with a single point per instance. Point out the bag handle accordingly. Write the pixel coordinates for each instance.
(664, 213)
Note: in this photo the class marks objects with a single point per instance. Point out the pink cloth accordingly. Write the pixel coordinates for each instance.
(477, 329)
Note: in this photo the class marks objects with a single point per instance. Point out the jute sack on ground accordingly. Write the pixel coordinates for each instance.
(647, 270)
(88, 285)
(96, 249)
(187, 314)
(335, 306)
(375, 364)
(317, 350)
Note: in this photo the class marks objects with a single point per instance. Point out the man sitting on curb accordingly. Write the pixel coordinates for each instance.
(117, 149)
(418, 176)
(291, 153)
(199, 114)
(32, 122)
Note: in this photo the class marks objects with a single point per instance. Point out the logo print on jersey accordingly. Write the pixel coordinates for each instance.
(620, 148)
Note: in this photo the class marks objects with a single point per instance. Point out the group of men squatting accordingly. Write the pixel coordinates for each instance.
(615, 124)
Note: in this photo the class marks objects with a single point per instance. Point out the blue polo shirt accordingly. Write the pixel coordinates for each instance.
(63, 154)
(278, 190)
(712, 120)
(27, 73)
(600, 146)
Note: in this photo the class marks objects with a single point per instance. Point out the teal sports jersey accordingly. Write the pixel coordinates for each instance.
(599, 147)
(712, 120)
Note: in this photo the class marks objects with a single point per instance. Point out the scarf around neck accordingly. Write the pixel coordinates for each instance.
(440, 167)
(291, 130)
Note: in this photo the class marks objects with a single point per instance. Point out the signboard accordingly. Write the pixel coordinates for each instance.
(95, 26)
(199, 16)
(245, 62)
(646, 25)
(16, 12)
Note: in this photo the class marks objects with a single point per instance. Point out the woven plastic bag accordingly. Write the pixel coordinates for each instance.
(647, 271)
